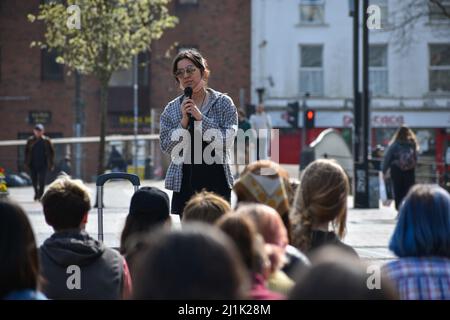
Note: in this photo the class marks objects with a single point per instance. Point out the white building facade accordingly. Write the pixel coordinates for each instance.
(306, 46)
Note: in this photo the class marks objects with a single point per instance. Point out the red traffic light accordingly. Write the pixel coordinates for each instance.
(310, 115)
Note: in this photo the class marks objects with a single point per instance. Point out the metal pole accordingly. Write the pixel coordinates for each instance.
(365, 98)
(303, 130)
(356, 100)
(135, 108)
(78, 119)
(100, 212)
(360, 179)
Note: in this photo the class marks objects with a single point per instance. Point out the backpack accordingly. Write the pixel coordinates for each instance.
(407, 158)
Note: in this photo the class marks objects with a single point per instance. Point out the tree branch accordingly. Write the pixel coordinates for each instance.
(442, 7)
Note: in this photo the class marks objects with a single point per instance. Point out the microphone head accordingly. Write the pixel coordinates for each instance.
(188, 92)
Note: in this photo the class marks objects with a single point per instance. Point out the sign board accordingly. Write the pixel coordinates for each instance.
(43, 117)
(379, 119)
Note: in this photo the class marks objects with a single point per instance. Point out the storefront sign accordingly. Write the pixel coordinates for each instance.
(43, 117)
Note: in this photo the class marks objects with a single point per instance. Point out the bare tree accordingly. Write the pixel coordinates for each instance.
(407, 15)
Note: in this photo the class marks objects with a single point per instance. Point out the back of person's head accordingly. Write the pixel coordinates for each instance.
(19, 264)
(404, 134)
(267, 222)
(266, 182)
(320, 198)
(65, 203)
(205, 207)
(242, 231)
(337, 275)
(196, 262)
(149, 208)
(423, 227)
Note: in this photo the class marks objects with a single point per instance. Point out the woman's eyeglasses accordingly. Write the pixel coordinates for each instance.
(181, 72)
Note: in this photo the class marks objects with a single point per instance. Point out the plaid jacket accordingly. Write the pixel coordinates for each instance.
(219, 113)
(420, 278)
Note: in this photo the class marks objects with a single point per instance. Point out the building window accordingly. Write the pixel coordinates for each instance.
(378, 70)
(124, 78)
(435, 13)
(384, 12)
(311, 69)
(312, 11)
(50, 70)
(439, 68)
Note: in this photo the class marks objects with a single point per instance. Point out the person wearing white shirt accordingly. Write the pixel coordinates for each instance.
(261, 121)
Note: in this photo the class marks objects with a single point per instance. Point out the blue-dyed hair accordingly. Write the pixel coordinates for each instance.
(423, 227)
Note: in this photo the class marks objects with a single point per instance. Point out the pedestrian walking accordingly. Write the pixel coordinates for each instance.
(215, 112)
(261, 122)
(400, 162)
(39, 158)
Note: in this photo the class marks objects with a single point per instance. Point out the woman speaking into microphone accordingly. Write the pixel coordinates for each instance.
(207, 109)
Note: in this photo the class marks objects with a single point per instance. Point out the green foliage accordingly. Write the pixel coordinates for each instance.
(110, 34)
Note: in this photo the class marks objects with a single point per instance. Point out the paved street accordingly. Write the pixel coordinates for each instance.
(368, 231)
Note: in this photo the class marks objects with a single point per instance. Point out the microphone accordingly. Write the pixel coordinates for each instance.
(188, 94)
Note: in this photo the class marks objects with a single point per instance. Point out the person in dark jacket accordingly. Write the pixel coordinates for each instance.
(401, 159)
(39, 157)
(75, 265)
(321, 201)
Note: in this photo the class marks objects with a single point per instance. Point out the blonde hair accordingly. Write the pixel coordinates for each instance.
(206, 207)
(321, 197)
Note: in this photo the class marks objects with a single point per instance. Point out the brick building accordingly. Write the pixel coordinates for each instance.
(33, 88)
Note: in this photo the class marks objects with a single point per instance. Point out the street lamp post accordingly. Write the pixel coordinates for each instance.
(135, 109)
(360, 107)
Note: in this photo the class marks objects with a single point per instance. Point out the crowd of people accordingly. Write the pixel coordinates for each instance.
(283, 240)
(280, 241)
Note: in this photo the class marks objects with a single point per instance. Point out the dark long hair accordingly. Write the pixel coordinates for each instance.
(19, 263)
(405, 135)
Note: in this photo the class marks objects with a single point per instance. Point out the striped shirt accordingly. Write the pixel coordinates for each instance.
(220, 113)
(420, 278)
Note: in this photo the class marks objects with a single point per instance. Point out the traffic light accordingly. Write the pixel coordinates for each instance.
(292, 114)
(309, 118)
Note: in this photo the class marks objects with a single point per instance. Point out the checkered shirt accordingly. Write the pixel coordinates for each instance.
(219, 113)
(426, 278)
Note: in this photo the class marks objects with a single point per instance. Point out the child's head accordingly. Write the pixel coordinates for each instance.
(66, 204)
(321, 198)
